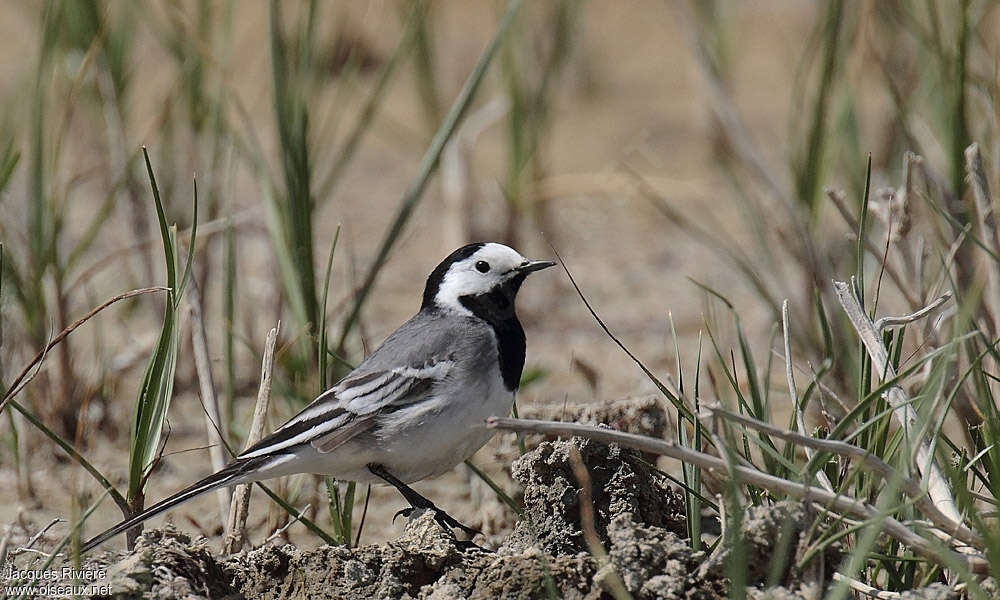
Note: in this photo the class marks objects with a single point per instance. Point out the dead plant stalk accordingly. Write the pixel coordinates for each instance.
(206, 387)
(236, 536)
(902, 410)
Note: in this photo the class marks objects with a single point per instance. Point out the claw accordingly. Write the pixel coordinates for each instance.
(466, 545)
(406, 512)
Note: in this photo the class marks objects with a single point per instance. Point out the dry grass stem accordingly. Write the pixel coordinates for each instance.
(886, 322)
(209, 399)
(238, 220)
(459, 187)
(237, 535)
(902, 410)
(4, 544)
(865, 589)
(280, 531)
(34, 539)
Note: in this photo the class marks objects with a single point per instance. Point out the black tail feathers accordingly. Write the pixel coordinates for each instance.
(230, 475)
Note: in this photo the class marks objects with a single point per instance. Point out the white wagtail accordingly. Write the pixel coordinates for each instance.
(413, 409)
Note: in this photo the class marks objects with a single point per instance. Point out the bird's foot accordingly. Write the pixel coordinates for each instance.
(446, 521)
(406, 512)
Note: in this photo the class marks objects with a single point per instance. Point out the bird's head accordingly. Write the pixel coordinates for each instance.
(479, 269)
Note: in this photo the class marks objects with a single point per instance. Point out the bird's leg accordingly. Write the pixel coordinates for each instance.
(417, 501)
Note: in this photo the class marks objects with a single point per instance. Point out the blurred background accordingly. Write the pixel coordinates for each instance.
(676, 155)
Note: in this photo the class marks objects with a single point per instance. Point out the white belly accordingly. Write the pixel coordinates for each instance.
(430, 441)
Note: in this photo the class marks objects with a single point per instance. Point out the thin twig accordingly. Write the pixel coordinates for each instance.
(15, 387)
(905, 415)
(237, 535)
(31, 541)
(865, 589)
(20, 550)
(807, 493)
(684, 410)
(886, 322)
(285, 527)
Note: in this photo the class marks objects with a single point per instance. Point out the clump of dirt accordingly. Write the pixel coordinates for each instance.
(653, 562)
(168, 564)
(771, 538)
(638, 521)
(620, 483)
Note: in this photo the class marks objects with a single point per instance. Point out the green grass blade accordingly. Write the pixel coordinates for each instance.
(862, 233)
(959, 129)
(191, 245)
(347, 511)
(322, 350)
(334, 506)
(811, 172)
(153, 400)
(8, 162)
(169, 245)
(157, 384)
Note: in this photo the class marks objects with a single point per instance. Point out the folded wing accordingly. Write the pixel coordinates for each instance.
(352, 407)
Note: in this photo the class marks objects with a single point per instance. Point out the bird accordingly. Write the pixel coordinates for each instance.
(416, 406)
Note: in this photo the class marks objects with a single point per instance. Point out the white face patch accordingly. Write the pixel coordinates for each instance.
(484, 270)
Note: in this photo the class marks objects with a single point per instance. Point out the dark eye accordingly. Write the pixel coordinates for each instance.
(483, 266)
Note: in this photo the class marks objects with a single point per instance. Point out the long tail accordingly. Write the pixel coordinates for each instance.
(231, 474)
